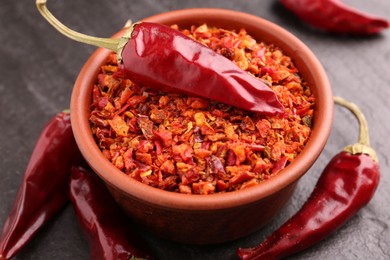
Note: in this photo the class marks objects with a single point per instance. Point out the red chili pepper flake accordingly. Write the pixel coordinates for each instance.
(194, 145)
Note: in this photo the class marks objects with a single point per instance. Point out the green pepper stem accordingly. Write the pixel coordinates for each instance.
(363, 133)
(108, 43)
(363, 145)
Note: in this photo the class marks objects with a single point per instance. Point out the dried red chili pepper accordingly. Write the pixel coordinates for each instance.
(44, 189)
(108, 231)
(334, 16)
(164, 58)
(346, 185)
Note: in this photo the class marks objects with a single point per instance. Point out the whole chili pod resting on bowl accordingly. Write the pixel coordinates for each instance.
(336, 17)
(109, 233)
(346, 185)
(163, 58)
(44, 189)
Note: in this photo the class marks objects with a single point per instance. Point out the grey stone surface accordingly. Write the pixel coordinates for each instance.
(38, 67)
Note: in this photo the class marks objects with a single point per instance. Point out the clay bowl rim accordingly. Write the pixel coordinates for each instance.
(176, 201)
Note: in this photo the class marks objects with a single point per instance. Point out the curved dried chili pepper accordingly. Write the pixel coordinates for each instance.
(44, 189)
(334, 16)
(108, 231)
(163, 58)
(346, 185)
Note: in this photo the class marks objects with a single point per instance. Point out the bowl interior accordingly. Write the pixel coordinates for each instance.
(262, 30)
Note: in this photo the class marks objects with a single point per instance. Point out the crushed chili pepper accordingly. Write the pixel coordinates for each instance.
(346, 185)
(44, 189)
(110, 234)
(336, 17)
(165, 59)
(194, 145)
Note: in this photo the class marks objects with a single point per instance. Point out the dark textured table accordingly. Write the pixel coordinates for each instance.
(38, 67)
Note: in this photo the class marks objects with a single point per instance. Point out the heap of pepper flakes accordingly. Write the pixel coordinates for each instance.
(194, 145)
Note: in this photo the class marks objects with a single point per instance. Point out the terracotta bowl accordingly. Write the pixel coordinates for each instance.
(205, 219)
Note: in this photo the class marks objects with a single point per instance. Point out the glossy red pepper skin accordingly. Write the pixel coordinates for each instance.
(336, 17)
(44, 189)
(108, 231)
(160, 57)
(346, 185)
